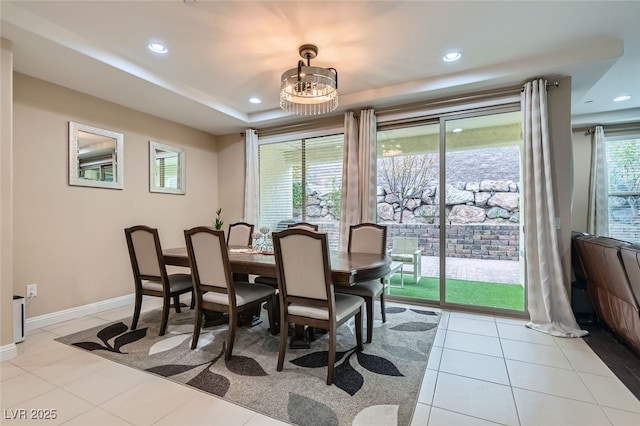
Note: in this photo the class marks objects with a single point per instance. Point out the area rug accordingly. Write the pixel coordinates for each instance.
(377, 386)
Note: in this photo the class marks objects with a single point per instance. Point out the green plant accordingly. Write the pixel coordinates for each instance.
(218, 222)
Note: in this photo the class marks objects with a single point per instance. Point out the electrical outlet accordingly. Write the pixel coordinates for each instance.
(32, 290)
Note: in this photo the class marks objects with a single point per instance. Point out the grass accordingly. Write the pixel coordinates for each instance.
(480, 293)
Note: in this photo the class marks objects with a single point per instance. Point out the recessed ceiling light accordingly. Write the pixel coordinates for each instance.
(457, 130)
(452, 56)
(158, 47)
(622, 98)
(255, 100)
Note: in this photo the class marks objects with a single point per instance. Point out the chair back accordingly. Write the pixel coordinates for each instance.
(367, 238)
(240, 234)
(145, 254)
(208, 258)
(404, 245)
(303, 264)
(303, 225)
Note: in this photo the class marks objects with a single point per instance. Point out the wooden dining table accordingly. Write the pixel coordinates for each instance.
(346, 268)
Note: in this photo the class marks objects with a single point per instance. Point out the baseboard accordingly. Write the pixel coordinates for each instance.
(8, 352)
(77, 312)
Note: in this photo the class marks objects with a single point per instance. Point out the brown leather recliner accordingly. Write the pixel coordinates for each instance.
(609, 287)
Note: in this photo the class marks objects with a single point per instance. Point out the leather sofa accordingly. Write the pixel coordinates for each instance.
(612, 269)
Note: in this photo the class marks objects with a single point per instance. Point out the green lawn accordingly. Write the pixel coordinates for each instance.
(506, 296)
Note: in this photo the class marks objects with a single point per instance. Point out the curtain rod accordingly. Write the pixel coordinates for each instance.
(555, 83)
(626, 127)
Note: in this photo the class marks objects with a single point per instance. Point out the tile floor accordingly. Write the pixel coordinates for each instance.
(482, 370)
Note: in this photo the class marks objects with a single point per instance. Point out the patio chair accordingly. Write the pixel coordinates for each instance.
(406, 250)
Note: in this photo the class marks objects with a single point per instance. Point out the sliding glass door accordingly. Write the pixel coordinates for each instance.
(449, 193)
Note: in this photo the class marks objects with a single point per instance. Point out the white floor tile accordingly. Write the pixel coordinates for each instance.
(428, 387)
(9, 371)
(440, 417)
(621, 417)
(473, 343)
(511, 320)
(159, 396)
(541, 409)
(201, 409)
(440, 337)
(421, 415)
(71, 368)
(550, 380)
(434, 358)
(37, 359)
(473, 315)
(23, 388)
(73, 326)
(535, 353)
(587, 362)
(524, 334)
(610, 392)
(475, 398)
(476, 366)
(574, 343)
(54, 407)
(97, 417)
(473, 326)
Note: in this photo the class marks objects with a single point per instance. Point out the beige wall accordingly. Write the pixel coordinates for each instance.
(231, 164)
(70, 240)
(6, 194)
(581, 169)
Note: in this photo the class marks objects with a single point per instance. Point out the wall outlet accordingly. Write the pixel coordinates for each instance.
(32, 290)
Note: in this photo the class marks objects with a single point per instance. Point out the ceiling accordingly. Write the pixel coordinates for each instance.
(221, 53)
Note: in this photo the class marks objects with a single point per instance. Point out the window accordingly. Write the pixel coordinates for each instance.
(623, 173)
(301, 181)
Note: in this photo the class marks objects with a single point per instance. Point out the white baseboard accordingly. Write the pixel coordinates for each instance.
(77, 312)
(8, 352)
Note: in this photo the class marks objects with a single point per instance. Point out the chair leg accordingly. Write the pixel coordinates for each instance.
(231, 334)
(282, 348)
(176, 303)
(165, 315)
(196, 329)
(332, 351)
(383, 310)
(271, 311)
(136, 311)
(358, 319)
(369, 306)
(193, 300)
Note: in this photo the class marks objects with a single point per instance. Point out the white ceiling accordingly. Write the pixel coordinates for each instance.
(221, 53)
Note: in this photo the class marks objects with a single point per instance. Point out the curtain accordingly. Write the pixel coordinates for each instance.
(549, 307)
(367, 142)
(350, 209)
(598, 214)
(251, 180)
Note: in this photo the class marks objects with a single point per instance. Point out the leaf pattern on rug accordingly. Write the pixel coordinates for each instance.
(421, 312)
(110, 332)
(424, 346)
(316, 359)
(169, 370)
(377, 415)
(244, 366)
(414, 326)
(347, 378)
(167, 344)
(309, 412)
(395, 310)
(404, 352)
(377, 364)
(211, 382)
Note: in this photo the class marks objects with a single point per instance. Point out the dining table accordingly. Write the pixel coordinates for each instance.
(346, 268)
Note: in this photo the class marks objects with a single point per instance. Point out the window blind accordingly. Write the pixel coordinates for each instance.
(623, 170)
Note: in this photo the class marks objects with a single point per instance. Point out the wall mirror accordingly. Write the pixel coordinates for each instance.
(167, 168)
(96, 157)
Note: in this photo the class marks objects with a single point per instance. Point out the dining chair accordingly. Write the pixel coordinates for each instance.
(306, 225)
(214, 287)
(305, 291)
(240, 234)
(150, 274)
(368, 238)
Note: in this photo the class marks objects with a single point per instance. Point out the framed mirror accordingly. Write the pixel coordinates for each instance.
(167, 168)
(96, 157)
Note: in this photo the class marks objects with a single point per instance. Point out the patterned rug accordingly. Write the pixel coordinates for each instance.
(377, 386)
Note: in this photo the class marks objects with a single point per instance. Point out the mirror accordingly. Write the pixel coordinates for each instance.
(96, 157)
(167, 168)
